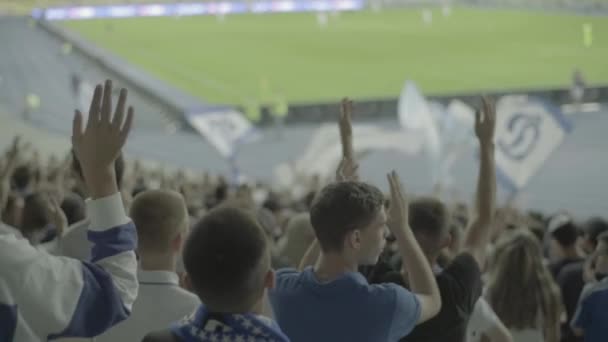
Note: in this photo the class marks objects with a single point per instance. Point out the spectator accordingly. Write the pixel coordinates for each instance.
(460, 282)
(22, 179)
(332, 301)
(74, 208)
(44, 297)
(35, 219)
(592, 229)
(298, 236)
(591, 317)
(563, 248)
(571, 280)
(227, 261)
(522, 291)
(162, 223)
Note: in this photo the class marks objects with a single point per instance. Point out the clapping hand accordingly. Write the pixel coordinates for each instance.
(398, 214)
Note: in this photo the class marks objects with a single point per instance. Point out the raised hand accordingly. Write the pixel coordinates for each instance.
(485, 121)
(348, 167)
(100, 144)
(347, 171)
(346, 129)
(398, 214)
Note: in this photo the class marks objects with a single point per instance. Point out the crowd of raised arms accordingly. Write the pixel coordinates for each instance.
(102, 249)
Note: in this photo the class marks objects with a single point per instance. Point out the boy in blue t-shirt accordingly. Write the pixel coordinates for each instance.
(331, 301)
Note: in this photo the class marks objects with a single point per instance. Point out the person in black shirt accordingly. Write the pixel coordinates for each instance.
(571, 280)
(460, 282)
(563, 251)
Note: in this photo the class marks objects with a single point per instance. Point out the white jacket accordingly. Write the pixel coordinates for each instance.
(45, 297)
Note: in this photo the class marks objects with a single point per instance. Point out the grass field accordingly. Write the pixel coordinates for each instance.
(362, 55)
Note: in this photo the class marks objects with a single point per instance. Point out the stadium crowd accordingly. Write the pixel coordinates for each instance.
(95, 246)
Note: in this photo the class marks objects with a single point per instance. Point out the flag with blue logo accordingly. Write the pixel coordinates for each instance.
(528, 131)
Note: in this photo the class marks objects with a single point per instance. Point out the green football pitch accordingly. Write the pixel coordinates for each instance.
(361, 54)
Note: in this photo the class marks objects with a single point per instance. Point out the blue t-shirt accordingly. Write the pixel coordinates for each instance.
(592, 312)
(345, 309)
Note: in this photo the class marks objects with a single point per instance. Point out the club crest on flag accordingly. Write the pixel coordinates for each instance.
(528, 131)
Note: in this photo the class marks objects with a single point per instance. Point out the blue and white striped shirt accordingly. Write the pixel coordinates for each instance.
(45, 297)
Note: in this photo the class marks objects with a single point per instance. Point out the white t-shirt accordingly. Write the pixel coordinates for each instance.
(482, 320)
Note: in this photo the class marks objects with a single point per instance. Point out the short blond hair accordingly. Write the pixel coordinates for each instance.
(159, 216)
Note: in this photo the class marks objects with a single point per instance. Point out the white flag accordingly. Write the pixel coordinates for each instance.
(415, 114)
(324, 151)
(528, 130)
(224, 129)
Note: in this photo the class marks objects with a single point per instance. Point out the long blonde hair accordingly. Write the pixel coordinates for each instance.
(520, 288)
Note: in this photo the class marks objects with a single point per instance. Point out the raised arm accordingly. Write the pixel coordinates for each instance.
(347, 171)
(420, 276)
(109, 282)
(348, 168)
(479, 232)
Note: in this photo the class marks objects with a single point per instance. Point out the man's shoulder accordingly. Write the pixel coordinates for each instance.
(572, 269)
(460, 283)
(160, 336)
(596, 291)
(462, 267)
(288, 277)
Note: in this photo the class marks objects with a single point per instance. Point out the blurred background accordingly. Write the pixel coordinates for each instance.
(251, 89)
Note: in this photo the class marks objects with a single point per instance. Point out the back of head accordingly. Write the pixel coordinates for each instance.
(74, 208)
(593, 228)
(298, 237)
(341, 208)
(159, 216)
(429, 218)
(227, 260)
(21, 178)
(34, 216)
(562, 229)
(520, 284)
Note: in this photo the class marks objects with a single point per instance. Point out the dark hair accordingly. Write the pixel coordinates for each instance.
(119, 168)
(594, 227)
(603, 238)
(22, 176)
(226, 258)
(429, 216)
(566, 234)
(272, 203)
(74, 208)
(34, 215)
(341, 208)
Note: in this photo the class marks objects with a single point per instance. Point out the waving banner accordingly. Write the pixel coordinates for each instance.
(528, 130)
